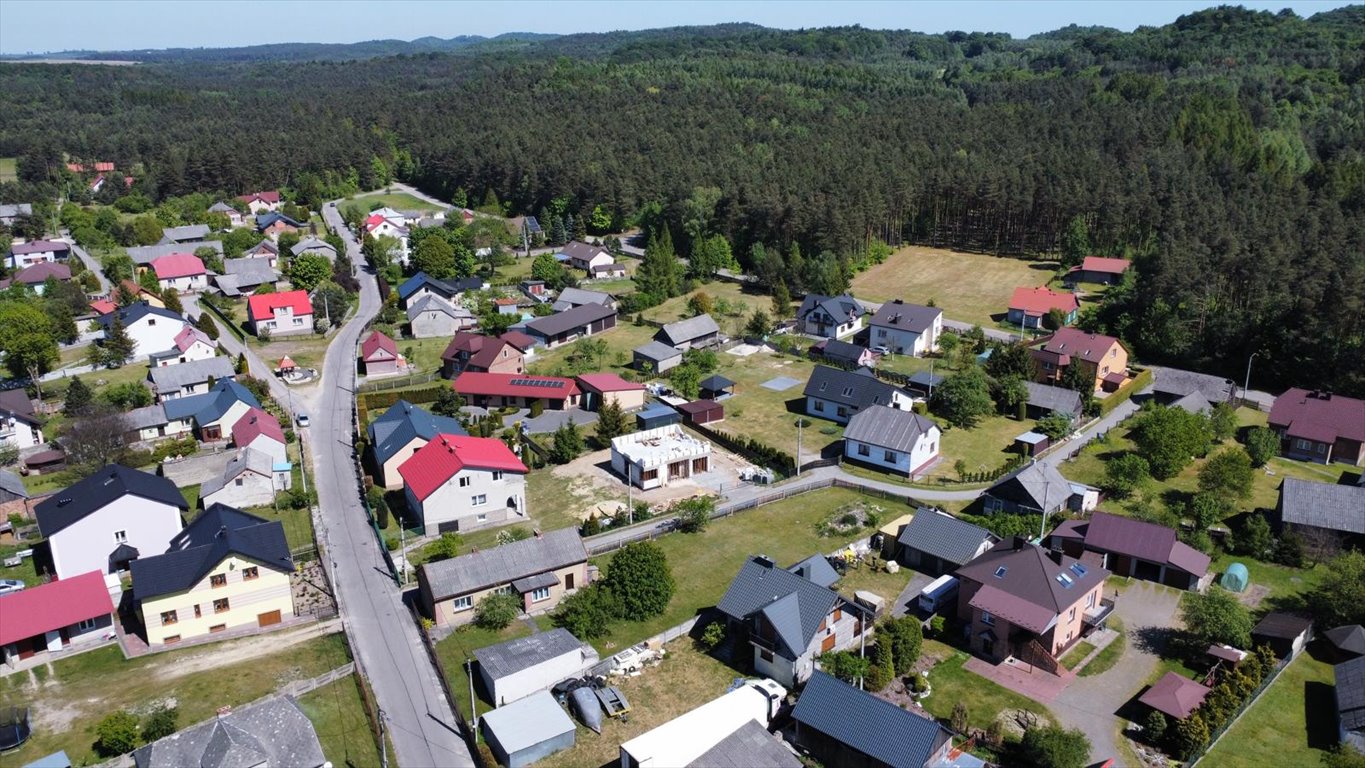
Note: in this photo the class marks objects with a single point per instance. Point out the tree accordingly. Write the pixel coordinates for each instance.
(329, 302)
(1223, 421)
(1170, 438)
(964, 398)
(26, 338)
(546, 268)
(1054, 319)
(1055, 425)
(445, 547)
(118, 345)
(568, 443)
(1262, 445)
(127, 395)
(1216, 616)
(906, 636)
(497, 611)
(883, 667)
(708, 256)
(1340, 596)
(160, 723)
(694, 514)
(206, 324)
(436, 257)
(1190, 734)
(1011, 394)
(1054, 747)
(1227, 473)
(1006, 361)
(849, 667)
(448, 403)
(1075, 242)
(171, 298)
(308, 270)
(782, 301)
(589, 612)
(658, 272)
(639, 575)
(1125, 474)
(147, 230)
(611, 421)
(759, 326)
(685, 379)
(700, 303)
(1342, 756)
(78, 397)
(1154, 727)
(147, 279)
(116, 734)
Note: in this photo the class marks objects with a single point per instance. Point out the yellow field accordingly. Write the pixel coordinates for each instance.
(969, 287)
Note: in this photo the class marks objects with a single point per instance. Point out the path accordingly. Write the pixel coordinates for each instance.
(91, 263)
(390, 651)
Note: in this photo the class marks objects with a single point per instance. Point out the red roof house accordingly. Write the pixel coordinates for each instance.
(103, 306)
(261, 201)
(457, 483)
(497, 390)
(1098, 269)
(78, 609)
(260, 431)
(1029, 306)
(1134, 548)
(280, 314)
(1104, 358)
(1320, 426)
(380, 355)
(520, 340)
(178, 265)
(35, 276)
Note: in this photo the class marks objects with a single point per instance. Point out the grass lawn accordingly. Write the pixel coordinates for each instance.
(769, 416)
(625, 337)
(83, 689)
(1286, 585)
(1293, 722)
(1077, 654)
(191, 494)
(9, 169)
(984, 447)
(885, 585)
(399, 201)
(306, 351)
(24, 571)
(918, 274)
(950, 683)
(1107, 658)
(423, 354)
(338, 716)
(298, 523)
(460, 646)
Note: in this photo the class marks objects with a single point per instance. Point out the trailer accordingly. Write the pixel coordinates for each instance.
(683, 739)
(939, 592)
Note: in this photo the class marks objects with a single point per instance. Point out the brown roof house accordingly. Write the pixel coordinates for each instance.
(475, 352)
(1133, 548)
(1320, 426)
(1103, 358)
(1024, 602)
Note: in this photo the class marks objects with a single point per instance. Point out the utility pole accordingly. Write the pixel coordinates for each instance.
(798, 446)
(473, 718)
(383, 747)
(1246, 387)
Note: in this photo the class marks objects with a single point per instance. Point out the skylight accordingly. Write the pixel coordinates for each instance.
(1079, 570)
(1000, 572)
(1065, 580)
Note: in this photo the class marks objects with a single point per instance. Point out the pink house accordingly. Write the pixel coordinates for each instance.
(380, 355)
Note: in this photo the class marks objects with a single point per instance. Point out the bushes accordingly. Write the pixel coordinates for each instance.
(116, 734)
(589, 612)
(497, 610)
(1262, 445)
(638, 585)
(694, 513)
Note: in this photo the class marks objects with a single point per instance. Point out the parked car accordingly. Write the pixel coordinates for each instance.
(302, 419)
(882, 350)
(10, 586)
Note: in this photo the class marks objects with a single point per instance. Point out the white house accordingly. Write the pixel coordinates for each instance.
(190, 345)
(653, 458)
(150, 424)
(213, 413)
(837, 394)
(903, 442)
(377, 226)
(261, 432)
(280, 314)
(233, 215)
(458, 483)
(36, 252)
(184, 272)
(586, 256)
(109, 518)
(517, 668)
(152, 329)
(432, 316)
(261, 202)
(906, 329)
(19, 424)
(173, 381)
(831, 317)
(250, 479)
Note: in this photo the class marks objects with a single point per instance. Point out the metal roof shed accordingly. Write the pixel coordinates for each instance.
(702, 411)
(656, 415)
(528, 730)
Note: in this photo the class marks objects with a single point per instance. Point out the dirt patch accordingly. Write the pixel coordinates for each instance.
(1253, 595)
(233, 651)
(310, 589)
(852, 519)
(1013, 722)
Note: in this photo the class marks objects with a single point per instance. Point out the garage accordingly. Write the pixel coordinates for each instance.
(268, 619)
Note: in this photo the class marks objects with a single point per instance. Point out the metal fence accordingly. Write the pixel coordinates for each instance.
(411, 380)
(1218, 734)
(300, 687)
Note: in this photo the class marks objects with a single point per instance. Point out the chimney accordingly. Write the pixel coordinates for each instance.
(1019, 543)
(1056, 556)
(765, 561)
(224, 711)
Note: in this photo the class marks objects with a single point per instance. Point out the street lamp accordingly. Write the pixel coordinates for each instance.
(1246, 386)
(800, 422)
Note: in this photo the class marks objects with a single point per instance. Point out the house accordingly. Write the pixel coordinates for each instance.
(250, 479)
(36, 252)
(380, 356)
(1350, 700)
(1320, 426)
(268, 732)
(186, 234)
(527, 730)
(274, 224)
(151, 329)
(421, 285)
(1029, 306)
(261, 202)
(226, 570)
(656, 415)
(1098, 269)
(10, 212)
(612, 271)
(475, 353)
(102, 307)
(190, 345)
(788, 619)
(433, 317)
(192, 378)
(280, 314)
(1285, 633)
(313, 246)
(377, 226)
(150, 424)
(577, 297)
(601, 388)
(1336, 510)
(1133, 548)
(101, 522)
(535, 290)
(1172, 385)
(702, 412)
(14, 496)
(653, 458)
(656, 357)
(504, 390)
(1104, 359)
(521, 341)
(715, 387)
(886, 438)
(507, 305)
(843, 354)
(571, 324)
(1175, 696)
(836, 394)
(585, 256)
(35, 276)
(1024, 602)
(1036, 489)
(141, 295)
(693, 333)
(832, 317)
(523, 666)
(543, 570)
(20, 425)
(936, 543)
(266, 249)
(245, 275)
(260, 431)
(1046, 399)
(1347, 641)
(397, 434)
(906, 329)
(840, 725)
(233, 215)
(461, 483)
(213, 413)
(688, 739)
(144, 255)
(60, 615)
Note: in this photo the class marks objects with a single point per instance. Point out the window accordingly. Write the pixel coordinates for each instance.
(478, 500)
(540, 594)
(497, 475)
(171, 639)
(151, 321)
(987, 619)
(1071, 617)
(1079, 569)
(764, 654)
(1065, 580)
(218, 580)
(237, 482)
(863, 450)
(1090, 600)
(1001, 571)
(251, 573)
(889, 457)
(465, 481)
(86, 625)
(819, 405)
(120, 536)
(168, 618)
(217, 628)
(482, 517)
(462, 603)
(848, 391)
(298, 321)
(197, 611)
(649, 474)
(220, 605)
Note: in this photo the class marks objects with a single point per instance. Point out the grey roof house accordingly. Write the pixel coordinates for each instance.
(528, 730)
(657, 355)
(194, 377)
(542, 569)
(692, 333)
(836, 394)
(1045, 400)
(517, 668)
(903, 442)
(219, 531)
(936, 542)
(750, 746)
(1350, 696)
(571, 324)
(1172, 384)
(144, 255)
(270, 732)
(1325, 506)
(243, 276)
(1035, 489)
(842, 725)
(906, 329)
(186, 234)
(314, 245)
(832, 317)
(577, 297)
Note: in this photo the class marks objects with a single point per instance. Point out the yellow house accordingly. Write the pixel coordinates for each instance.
(226, 570)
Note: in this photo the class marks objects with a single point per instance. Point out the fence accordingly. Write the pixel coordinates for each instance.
(1218, 734)
(411, 380)
(232, 327)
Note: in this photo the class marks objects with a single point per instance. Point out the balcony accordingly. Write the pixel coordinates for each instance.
(1095, 616)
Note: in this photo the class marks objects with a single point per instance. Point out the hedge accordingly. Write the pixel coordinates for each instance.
(1139, 382)
(375, 400)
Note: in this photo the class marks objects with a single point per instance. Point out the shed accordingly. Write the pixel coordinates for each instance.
(1348, 642)
(656, 415)
(1285, 633)
(528, 730)
(716, 387)
(521, 667)
(1235, 578)
(1031, 443)
(1175, 696)
(924, 382)
(702, 411)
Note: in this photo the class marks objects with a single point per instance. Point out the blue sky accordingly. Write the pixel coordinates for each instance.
(55, 25)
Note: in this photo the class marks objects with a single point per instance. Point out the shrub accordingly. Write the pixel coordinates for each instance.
(883, 667)
(497, 610)
(116, 734)
(589, 612)
(713, 635)
(1053, 747)
(958, 720)
(1262, 445)
(639, 576)
(937, 624)
(1154, 727)
(695, 513)
(160, 723)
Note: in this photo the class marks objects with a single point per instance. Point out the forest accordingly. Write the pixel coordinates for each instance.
(1222, 152)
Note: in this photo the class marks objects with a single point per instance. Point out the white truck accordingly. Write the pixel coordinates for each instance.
(938, 593)
(687, 737)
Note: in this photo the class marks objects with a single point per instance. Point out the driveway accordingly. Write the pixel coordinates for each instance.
(907, 602)
(549, 421)
(1090, 703)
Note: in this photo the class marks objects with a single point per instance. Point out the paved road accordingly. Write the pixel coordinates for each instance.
(91, 263)
(420, 719)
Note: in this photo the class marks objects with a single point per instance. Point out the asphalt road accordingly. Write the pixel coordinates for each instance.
(406, 684)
